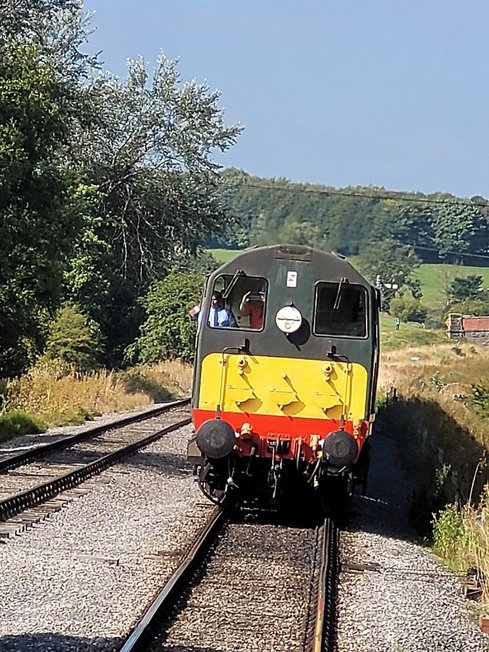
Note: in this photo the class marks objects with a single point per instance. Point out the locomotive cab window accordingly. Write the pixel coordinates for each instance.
(340, 309)
(238, 302)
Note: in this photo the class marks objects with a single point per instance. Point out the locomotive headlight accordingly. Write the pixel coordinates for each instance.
(288, 319)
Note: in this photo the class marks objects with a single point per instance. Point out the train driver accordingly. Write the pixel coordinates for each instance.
(219, 315)
(253, 305)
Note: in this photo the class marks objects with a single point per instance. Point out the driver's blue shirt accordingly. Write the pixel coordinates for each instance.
(219, 317)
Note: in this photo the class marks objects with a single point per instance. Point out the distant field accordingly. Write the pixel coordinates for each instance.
(224, 255)
(435, 278)
(407, 335)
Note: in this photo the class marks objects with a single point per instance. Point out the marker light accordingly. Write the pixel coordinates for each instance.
(288, 319)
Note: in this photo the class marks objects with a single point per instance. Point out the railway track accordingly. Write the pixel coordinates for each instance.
(40, 480)
(247, 585)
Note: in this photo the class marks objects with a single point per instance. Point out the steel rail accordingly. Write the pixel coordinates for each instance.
(326, 600)
(138, 640)
(17, 459)
(16, 504)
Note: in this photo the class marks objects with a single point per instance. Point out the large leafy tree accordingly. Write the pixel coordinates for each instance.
(406, 222)
(154, 189)
(390, 266)
(168, 331)
(41, 101)
(460, 228)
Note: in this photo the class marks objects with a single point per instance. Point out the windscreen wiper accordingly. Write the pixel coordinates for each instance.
(227, 291)
(337, 301)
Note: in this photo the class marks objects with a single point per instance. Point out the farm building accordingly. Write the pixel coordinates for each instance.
(469, 329)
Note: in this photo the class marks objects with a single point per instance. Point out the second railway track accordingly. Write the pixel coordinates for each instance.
(37, 476)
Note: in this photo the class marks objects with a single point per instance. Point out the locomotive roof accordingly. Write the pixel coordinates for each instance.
(256, 259)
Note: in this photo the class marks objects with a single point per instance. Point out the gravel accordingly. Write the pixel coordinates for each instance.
(79, 580)
(254, 595)
(404, 601)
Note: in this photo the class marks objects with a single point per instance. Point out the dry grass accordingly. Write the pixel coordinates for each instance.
(445, 374)
(457, 362)
(58, 399)
(438, 414)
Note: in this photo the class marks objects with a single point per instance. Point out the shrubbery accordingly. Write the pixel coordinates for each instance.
(74, 341)
(408, 309)
(17, 423)
(168, 331)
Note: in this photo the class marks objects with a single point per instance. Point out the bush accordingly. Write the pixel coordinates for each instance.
(408, 309)
(17, 423)
(74, 340)
(448, 532)
(168, 331)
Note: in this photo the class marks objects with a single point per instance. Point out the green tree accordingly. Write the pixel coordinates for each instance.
(156, 190)
(391, 267)
(467, 287)
(38, 198)
(406, 222)
(460, 228)
(74, 339)
(168, 331)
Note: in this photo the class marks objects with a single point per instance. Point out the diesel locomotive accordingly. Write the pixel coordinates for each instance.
(285, 374)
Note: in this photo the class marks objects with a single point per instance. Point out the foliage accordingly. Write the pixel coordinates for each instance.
(204, 262)
(448, 531)
(480, 399)
(405, 222)
(408, 309)
(460, 228)
(168, 331)
(389, 264)
(58, 28)
(74, 339)
(467, 287)
(461, 537)
(469, 307)
(17, 423)
(105, 185)
(41, 102)
(349, 220)
(155, 190)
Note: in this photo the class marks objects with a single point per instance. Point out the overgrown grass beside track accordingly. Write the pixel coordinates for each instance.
(439, 419)
(44, 397)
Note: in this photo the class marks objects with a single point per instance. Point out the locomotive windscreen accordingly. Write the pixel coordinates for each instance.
(340, 309)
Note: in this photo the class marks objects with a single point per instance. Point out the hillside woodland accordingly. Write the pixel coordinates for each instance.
(110, 197)
(439, 227)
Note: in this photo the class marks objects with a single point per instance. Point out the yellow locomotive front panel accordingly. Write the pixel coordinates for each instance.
(264, 397)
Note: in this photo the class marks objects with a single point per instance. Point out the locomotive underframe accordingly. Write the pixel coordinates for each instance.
(260, 467)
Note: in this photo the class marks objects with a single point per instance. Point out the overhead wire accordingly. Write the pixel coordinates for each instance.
(382, 195)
